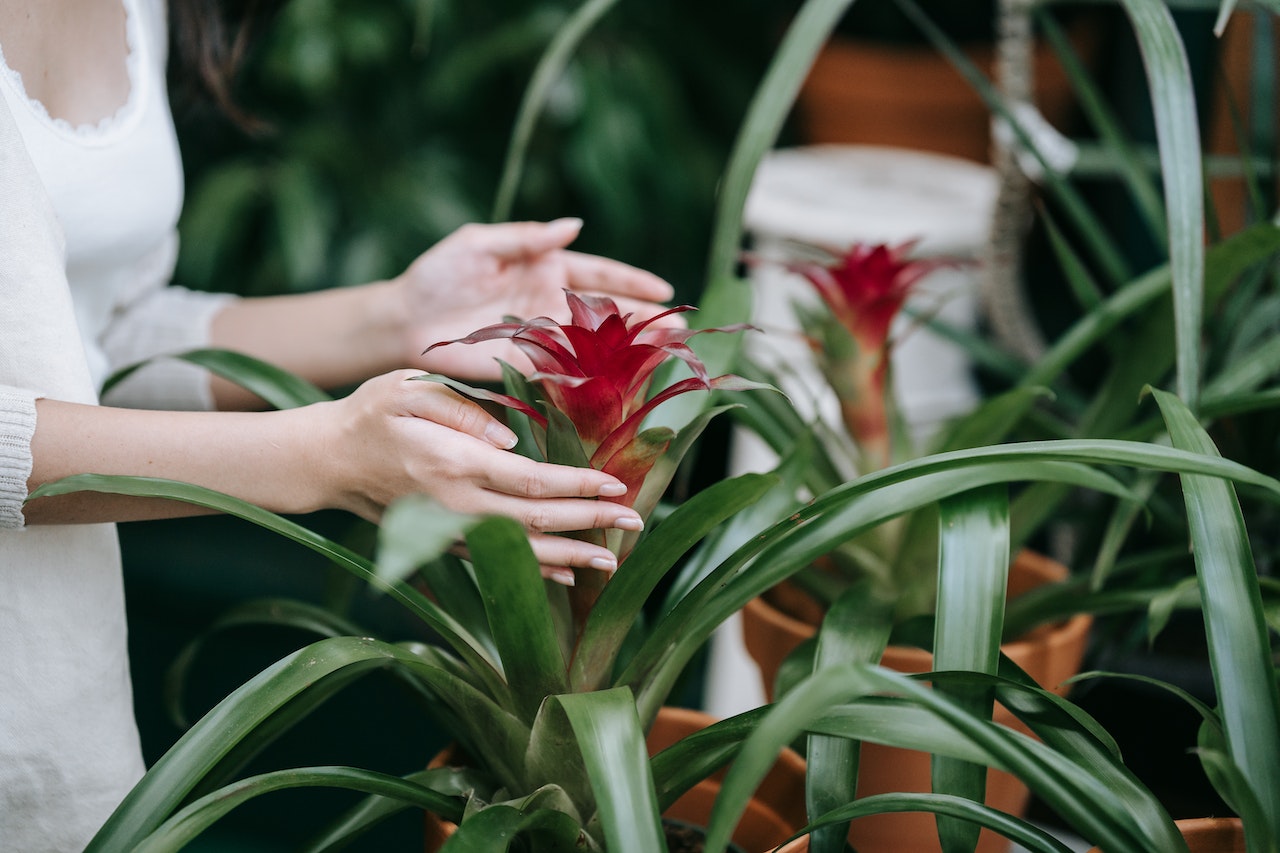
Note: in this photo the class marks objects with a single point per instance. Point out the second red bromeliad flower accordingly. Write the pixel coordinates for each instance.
(864, 288)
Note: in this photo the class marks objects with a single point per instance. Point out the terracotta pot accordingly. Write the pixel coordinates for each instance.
(1209, 835)
(869, 93)
(776, 811)
(1050, 654)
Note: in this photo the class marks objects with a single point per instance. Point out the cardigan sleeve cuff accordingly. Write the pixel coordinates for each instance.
(17, 426)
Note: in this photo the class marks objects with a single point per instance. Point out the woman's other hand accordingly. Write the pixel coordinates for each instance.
(480, 274)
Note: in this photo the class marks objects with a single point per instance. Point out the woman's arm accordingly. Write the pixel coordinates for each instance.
(393, 436)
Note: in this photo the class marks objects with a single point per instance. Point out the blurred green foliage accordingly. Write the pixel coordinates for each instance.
(387, 124)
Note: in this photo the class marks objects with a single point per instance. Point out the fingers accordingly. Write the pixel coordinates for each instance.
(559, 556)
(614, 278)
(515, 241)
(434, 402)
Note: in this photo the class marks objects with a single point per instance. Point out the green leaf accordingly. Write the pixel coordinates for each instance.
(450, 781)
(973, 579)
(621, 603)
(1230, 783)
(855, 628)
(302, 679)
(564, 447)
(277, 386)
(437, 619)
(1027, 835)
(181, 829)
(548, 71)
(697, 756)
(498, 828)
(726, 298)
(1239, 652)
(416, 530)
(1178, 132)
(275, 611)
(511, 585)
(613, 748)
(844, 512)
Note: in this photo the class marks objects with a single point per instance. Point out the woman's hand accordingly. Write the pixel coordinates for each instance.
(396, 435)
(482, 273)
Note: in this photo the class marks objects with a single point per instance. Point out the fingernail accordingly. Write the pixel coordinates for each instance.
(604, 564)
(611, 490)
(499, 436)
(573, 222)
(629, 522)
(563, 577)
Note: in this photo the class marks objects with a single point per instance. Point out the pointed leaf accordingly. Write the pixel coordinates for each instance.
(519, 617)
(856, 628)
(1244, 672)
(613, 748)
(973, 577)
(1178, 131)
(497, 828)
(181, 829)
(277, 386)
(624, 597)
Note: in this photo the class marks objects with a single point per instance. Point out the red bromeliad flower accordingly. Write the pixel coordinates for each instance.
(865, 288)
(596, 371)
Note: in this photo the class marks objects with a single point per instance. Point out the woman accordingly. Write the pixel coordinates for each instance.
(90, 189)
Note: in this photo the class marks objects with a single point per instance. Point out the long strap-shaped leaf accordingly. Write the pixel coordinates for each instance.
(1239, 653)
(1029, 836)
(613, 749)
(298, 678)
(855, 628)
(149, 487)
(834, 517)
(550, 67)
(497, 828)
(725, 298)
(1083, 796)
(461, 782)
(181, 829)
(622, 600)
(973, 577)
(1178, 133)
(277, 386)
(519, 615)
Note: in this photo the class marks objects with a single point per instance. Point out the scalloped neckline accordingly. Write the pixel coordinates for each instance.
(104, 126)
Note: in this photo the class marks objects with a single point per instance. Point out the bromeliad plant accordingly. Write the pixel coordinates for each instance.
(586, 403)
(862, 290)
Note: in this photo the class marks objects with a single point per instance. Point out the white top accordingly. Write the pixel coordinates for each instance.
(71, 310)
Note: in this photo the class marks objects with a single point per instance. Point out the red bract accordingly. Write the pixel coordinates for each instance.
(597, 370)
(867, 286)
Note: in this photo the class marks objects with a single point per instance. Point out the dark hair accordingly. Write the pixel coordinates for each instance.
(210, 39)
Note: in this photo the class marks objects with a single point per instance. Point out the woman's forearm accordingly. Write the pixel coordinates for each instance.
(268, 458)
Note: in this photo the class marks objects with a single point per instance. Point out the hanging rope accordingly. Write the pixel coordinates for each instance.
(1004, 299)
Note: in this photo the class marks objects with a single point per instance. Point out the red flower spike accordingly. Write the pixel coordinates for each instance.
(597, 371)
(865, 288)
